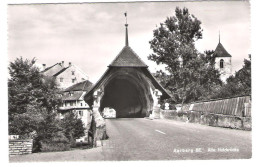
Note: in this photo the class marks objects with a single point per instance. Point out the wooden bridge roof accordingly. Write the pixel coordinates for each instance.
(127, 58)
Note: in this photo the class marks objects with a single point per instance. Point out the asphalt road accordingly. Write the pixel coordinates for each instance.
(144, 139)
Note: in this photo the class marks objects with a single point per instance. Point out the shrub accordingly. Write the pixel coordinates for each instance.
(180, 114)
(57, 143)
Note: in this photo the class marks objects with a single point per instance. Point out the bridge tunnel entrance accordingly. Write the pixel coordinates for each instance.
(125, 97)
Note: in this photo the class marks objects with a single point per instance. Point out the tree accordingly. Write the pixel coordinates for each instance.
(192, 75)
(73, 126)
(33, 99)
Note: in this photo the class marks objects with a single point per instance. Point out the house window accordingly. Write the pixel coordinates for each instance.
(81, 104)
(71, 103)
(73, 80)
(72, 72)
(81, 113)
(61, 79)
(221, 63)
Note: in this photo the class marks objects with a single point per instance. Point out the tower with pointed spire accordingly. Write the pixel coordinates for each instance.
(222, 61)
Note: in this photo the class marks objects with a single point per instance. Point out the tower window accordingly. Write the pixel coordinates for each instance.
(73, 80)
(61, 79)
(221, 63)
(72, 72)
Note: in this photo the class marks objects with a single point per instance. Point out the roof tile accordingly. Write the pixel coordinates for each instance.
(127, 58)
(81, 86)
(221, 51)
(71, 97)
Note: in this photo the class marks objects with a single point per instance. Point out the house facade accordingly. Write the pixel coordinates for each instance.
(66, 76)
(73, 101)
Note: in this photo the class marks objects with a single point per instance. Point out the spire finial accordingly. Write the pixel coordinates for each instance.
(218, 36)
(126, 31)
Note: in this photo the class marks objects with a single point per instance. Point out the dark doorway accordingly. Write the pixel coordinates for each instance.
(124, 97)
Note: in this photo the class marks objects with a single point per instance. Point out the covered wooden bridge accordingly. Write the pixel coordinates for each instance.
(127, 86)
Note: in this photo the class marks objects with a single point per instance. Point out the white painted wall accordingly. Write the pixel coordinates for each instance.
(67, 76)
(227, 70)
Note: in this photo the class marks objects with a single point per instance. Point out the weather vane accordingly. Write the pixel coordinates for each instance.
(126, 31)
(125, 17)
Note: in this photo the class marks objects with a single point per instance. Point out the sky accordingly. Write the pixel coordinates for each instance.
(90, 35)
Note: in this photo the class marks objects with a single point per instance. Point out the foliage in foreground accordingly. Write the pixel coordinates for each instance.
(32, 110)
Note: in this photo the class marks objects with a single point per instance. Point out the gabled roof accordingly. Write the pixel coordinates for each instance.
(61, 71)
(221, 51)
(81, 86)
(52, 70)
(127, 58)
(74, 96)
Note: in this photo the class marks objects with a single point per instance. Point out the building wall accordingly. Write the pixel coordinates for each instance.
(78, 103)
(64, 79)
(226, 71)
(84, 115)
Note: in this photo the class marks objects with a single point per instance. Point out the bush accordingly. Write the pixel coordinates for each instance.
(57, 143)
(180, 114)
(49, 146)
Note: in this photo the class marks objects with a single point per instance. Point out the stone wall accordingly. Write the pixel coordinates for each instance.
(216, 120)
(18, 147)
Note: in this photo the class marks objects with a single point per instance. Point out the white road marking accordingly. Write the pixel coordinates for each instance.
(160, 132)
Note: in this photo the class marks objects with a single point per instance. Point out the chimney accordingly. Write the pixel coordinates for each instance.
(69, 63)
(44, 66)
(62, 64)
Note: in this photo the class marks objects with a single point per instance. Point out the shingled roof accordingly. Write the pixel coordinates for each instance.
(61, 71)
(71, 97)
(221, 51)
(52, 70)
(81, 86)
(127, 58)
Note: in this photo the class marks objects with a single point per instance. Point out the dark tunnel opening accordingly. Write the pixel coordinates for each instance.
(125, 97)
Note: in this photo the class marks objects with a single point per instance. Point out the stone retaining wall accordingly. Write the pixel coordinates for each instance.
(216, 120)
(18, 147)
